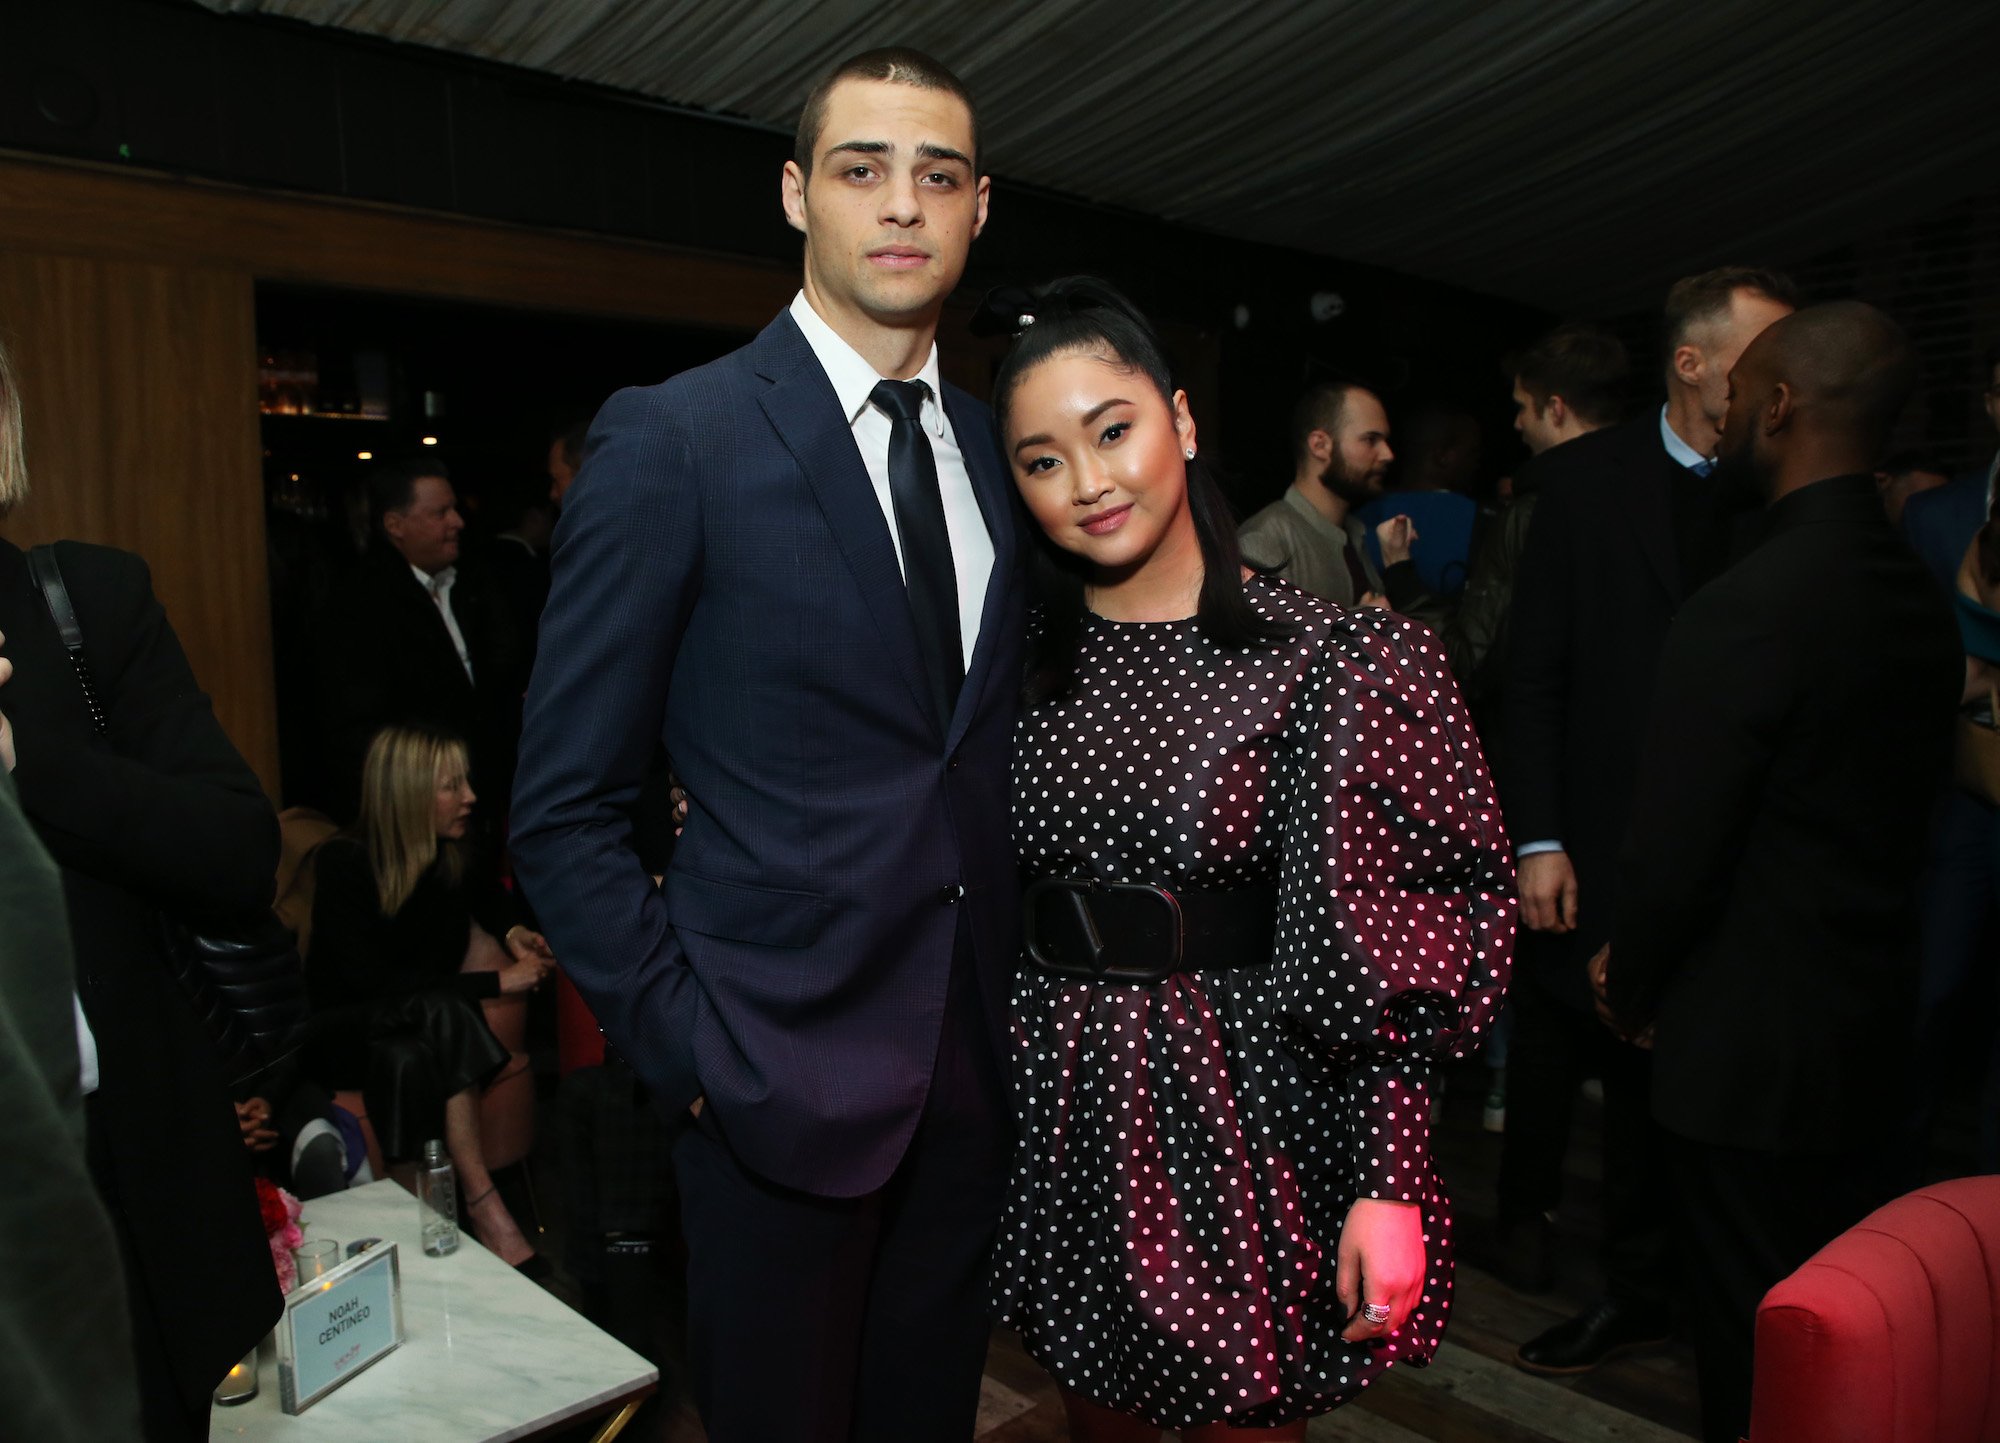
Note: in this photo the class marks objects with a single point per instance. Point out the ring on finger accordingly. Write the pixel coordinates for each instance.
(1375, 1313)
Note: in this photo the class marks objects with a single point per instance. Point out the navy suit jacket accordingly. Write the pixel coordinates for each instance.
(725, 583)
(1940, 524)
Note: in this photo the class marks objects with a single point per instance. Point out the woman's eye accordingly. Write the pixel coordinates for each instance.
(1112, 433)
(1039, 465)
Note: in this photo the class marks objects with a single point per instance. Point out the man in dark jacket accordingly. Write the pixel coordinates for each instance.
(158, 809)
(1766, 929)
(409, 639)
(1566, 385)
(1627, 527)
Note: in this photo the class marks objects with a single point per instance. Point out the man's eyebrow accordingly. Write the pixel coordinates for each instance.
(860, 147)
(927, 150)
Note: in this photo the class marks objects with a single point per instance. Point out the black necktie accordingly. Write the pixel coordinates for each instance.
(928, 573)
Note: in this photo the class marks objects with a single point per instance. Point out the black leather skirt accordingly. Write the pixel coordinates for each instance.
(423, 1049)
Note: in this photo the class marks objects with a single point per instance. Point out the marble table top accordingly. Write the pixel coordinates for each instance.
(487, 1355)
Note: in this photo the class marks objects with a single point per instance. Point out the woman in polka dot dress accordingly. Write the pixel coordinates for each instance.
(1224, 1217)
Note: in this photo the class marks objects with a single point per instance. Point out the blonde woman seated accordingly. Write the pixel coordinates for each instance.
(399, 908)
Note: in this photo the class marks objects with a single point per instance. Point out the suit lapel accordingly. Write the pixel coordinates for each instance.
(806, 414)
(995, 494)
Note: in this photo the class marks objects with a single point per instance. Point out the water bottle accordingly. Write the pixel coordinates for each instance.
(437, 1201)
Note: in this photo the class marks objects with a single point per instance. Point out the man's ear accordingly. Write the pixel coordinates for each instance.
(985, 192)
(1555, 413)
(1779, 409)
(1688, 364)
(1319, 444)
(792, 195)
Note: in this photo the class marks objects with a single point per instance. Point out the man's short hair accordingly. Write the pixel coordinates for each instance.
(898, 66)
(1696, 300)
(571, 439)
(392, 486)
(1321, 408)
(1586, 365)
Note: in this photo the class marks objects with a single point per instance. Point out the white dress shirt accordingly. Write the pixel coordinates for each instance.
(439, 587)
(86, 1050)
(1682, 453)
(854, 381)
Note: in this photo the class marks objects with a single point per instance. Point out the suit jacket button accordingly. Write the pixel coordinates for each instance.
(950, 895)
(952, 764)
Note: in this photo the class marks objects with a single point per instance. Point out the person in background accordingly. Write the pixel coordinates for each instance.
(1431, 487)
(160, 806)
(410, 640)
(1567, 384)
(409, 933)
(1905, 475)
(1957, 894)
(1626, 527)
(565, 460)
(65, 1373)
(1312, 536)
(1764, 942)
(516, 558)
(1939, 524)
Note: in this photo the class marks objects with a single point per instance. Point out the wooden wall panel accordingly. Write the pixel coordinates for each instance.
(140, 388)
(129, 299)
(133, 216)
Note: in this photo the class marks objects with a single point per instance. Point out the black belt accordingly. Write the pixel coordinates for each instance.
(1136, 932)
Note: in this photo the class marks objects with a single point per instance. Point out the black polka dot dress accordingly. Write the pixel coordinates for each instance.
(1190, 1148)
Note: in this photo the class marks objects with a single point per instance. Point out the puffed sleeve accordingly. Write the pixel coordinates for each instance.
(1396, 897)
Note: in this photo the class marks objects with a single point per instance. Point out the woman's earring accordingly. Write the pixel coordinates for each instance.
(1190, 453)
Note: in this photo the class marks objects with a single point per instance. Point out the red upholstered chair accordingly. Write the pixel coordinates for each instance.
(1891, 1332)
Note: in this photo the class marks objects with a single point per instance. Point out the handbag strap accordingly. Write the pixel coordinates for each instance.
(48, 576)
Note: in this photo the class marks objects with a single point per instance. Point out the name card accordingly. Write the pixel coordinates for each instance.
(337, 1325)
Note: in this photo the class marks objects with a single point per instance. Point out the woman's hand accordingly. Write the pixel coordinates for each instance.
(1381, 1264)
(521, 976)
(524, 944)
(253, 1118)
(6, 730)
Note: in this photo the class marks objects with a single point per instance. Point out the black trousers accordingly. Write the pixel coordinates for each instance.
(1748, 1219)
(852, 1320)
(1553, 1049)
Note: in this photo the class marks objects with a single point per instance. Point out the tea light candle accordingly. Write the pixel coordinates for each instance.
(240, 1386)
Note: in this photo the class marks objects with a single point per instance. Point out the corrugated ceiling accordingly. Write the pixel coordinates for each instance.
(1573, 155)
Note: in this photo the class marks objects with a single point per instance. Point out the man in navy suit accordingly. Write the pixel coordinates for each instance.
(798, 568)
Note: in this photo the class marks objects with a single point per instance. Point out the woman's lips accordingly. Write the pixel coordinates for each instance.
(1106, 522)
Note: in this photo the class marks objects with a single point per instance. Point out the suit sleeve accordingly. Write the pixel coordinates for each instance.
(163, 803)
(627, 571)
(1726, 684)
(1536, 709)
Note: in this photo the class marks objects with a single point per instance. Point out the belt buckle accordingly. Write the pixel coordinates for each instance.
(1147, 930)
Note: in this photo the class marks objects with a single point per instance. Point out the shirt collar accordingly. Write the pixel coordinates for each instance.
(435, 584)
(1346, 531)
(854, 379)
(1682, 453)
